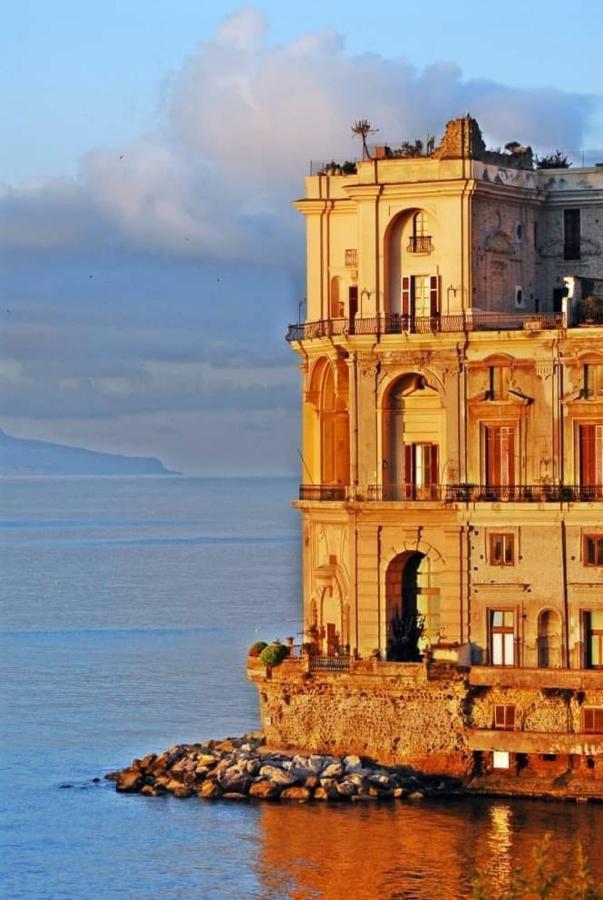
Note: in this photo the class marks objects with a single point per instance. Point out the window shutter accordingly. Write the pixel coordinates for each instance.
(499, 717)
(492, 455)
(589, 720)
(409, 473)
(433, 465)
(406, 295)
(587, 454)
(510, 723)
(434, 298)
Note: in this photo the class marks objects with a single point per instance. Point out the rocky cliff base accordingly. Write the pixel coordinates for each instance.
(245, 768)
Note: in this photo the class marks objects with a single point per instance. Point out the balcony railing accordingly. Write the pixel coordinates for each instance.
(329, 663)
(455, 493)
(406, 492)
(392, 323)
(323, 491)
(419, 244)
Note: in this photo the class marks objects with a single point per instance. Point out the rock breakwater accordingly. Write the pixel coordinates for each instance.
(246, 769)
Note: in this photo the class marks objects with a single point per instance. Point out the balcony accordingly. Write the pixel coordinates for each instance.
(455, 493)
(323, 491)
(392, 323)
(420, 244)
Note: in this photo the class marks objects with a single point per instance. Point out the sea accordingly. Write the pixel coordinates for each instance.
(127, 607)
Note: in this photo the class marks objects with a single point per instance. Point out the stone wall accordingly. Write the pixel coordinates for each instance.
(430, 718)
(393, 720)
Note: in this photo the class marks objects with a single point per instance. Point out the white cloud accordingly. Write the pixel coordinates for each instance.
(241, 120)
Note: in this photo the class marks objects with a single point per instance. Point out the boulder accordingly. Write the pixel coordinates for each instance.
(265, 790)
(182, 791)
(312, 781)
(276, 774)
(129, 781)
(234, 782)
(398, 793)
(149, 790)
(210, 790)
(416, 795)
(206, 760)
(346, 788)
(351, 763)
(234, 795)
(301, 794)
(332, 770)
(148, 761)
(321, 794)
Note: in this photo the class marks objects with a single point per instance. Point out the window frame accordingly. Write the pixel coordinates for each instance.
(572, 248)
(595, 726)
(492, 537)
(507, 720)
(503, 630)
(596, 536)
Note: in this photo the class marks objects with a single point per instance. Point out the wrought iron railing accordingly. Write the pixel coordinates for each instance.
(404, 492)
(486, 493)
(419, 244)
(392, 323)
(329, 663)
(323, 491)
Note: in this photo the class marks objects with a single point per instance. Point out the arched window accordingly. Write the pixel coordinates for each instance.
(412, 606)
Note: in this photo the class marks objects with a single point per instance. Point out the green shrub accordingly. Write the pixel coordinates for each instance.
(274, 654)
(257, 648)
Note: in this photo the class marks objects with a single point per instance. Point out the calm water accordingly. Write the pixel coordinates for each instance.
(127, 605)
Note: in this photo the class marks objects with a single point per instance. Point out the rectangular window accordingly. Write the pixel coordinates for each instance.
(592, 554)
(593, 639)
(502, 549)
(590, 439)
(593, 382)
(504, 717)
(502, 637)
(500, 455)
(420, 297)
(500, 759)
(593, 720)
(421, 469)
(571, 234)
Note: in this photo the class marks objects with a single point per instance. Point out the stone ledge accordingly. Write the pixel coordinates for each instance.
(534, 742)
(503, 676)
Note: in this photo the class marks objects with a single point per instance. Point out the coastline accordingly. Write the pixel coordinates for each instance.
(246, 768)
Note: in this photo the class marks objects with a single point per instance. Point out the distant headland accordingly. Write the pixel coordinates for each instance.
(20, 456)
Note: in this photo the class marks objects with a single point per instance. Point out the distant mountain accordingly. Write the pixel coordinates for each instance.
(19, 456)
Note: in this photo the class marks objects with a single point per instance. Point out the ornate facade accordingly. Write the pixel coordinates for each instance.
(452, 455)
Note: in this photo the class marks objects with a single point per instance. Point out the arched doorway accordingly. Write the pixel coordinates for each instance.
(412, 606)
(337, 304)
(549, 640)
(411, 276)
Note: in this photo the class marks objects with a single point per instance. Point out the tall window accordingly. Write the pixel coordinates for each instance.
(502, 637)
(571, 234)
(593, 639)
(504, 716)
(593, 550)
(590, 439)
(500, 455)
(420, 296)
(421, 469)
(502, 549)
(593, 382)
(593, 719)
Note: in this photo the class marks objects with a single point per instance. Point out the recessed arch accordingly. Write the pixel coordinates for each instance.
(411, 438)
(549, 639)
(411, 280)
(412, 604)
(327, 423)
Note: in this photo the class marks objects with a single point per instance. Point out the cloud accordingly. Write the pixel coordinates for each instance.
(239, 123)
(156, 285)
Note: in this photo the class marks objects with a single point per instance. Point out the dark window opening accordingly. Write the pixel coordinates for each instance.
(593, 720)
(571, 234)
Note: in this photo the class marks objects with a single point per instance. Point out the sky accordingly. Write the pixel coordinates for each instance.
(150, 258)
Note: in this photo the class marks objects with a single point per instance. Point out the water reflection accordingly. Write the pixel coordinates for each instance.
(424, 851)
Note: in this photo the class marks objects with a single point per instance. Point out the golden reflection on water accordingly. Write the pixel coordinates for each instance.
(424, 851)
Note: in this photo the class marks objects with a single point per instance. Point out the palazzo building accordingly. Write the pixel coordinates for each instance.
(452, 449)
